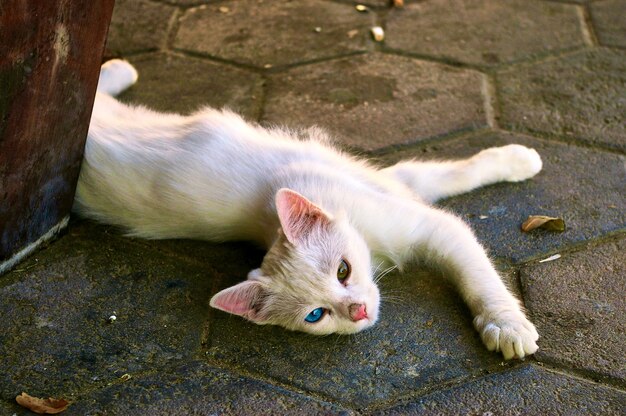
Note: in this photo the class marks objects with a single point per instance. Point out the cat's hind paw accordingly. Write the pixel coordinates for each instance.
(507, 332)
(115, 76)
(515, 162)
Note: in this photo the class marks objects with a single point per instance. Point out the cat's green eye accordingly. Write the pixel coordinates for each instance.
(343, 272)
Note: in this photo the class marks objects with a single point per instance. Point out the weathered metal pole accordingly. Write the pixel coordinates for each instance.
(50, 54)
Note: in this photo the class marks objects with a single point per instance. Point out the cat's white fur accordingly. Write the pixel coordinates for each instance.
(213, 176)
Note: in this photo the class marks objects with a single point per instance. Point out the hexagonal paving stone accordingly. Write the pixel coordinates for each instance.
(581, 185)
(284, 32)
(9, 407)
(181, 84)
(524, 391)
(581, 96)
(55, 338)
(375, 100)
(424, 338)
(578, 302)
(197, 389)
(484, 32)
(138, 26)
(609, 22)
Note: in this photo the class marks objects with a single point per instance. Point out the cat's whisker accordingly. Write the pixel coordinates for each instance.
(378, 277)
(393, 296)
(394, 300)
(385, 273)
(378, 267)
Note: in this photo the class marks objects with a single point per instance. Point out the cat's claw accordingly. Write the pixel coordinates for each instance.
(507, 332)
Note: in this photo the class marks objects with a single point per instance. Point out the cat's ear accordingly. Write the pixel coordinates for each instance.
(298, 216)
(244, 299)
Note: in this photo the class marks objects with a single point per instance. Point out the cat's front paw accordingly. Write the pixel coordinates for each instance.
(508, 332)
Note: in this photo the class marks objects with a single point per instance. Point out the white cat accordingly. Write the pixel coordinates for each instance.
(322, 215)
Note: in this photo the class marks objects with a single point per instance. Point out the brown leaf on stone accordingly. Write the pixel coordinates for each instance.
(541, 221)
(49, 406)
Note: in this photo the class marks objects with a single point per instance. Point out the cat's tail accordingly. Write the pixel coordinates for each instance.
(115, 76)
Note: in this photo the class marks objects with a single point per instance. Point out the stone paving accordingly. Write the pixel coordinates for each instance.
(452, 77)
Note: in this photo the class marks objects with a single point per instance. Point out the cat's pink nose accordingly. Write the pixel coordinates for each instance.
(357, 311)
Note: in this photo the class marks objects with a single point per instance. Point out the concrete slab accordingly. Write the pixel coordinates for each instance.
(526, 390)
(578, 96)
(283, 33)
(138, 26)
(578, 302)
(581, 185)
(483, 32)
(197, 389)
(161, 86)
(55, 335)
(609, 23)
(377, 100)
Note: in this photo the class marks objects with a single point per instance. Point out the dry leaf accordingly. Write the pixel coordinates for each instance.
(541, 221)
(398, 3)
(50, 406)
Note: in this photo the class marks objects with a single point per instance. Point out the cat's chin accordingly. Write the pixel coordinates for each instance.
(360, 326)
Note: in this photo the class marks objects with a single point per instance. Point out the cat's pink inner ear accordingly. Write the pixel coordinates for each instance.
(298, 216)
(242, 299)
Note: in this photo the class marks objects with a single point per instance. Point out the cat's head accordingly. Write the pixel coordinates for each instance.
(316, 277)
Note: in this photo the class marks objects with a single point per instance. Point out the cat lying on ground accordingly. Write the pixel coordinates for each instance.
(326, 218)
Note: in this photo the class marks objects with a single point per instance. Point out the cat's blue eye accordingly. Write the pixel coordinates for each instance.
(315, 315)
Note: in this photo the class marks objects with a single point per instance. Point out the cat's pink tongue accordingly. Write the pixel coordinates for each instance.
(357, 311)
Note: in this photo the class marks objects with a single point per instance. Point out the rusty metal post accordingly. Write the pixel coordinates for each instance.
(50, 54)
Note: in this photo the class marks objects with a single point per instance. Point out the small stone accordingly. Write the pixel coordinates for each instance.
(318, 29)
(352, 33)
(361, 8)
(224, 9)
(551, 258)
(378, 33)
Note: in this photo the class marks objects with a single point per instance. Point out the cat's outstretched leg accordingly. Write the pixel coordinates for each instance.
(446, 240)
(436, 180)
(115, 76)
